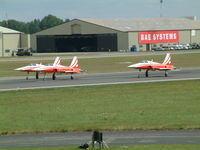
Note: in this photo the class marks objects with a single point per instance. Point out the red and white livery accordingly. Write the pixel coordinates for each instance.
(150, 65)
(57, 68)
(34, 67)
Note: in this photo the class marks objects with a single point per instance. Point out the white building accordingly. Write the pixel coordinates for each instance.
(11, 40)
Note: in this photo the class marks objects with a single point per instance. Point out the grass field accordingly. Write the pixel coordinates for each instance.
(166, 105)
(110, 64)
(138, 147)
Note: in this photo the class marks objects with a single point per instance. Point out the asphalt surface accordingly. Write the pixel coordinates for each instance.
(122, 138)
(20, 83)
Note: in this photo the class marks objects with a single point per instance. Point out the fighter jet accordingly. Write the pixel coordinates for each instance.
(72, 69)
(32, 67)
(151, 65)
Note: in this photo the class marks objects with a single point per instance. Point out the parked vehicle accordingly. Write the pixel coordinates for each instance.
(24, 52)
(177, 47)
(168, 48)
(195, 46)
(158, 49)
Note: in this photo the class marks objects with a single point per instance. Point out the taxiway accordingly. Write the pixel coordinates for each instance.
(20, 83)
(122, 138)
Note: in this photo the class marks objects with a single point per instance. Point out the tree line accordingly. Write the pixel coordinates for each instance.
(33, 26)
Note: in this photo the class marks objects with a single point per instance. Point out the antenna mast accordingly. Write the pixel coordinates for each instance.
(6, 20)
(161, 3)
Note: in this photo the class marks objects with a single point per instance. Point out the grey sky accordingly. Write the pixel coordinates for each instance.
(27, 10)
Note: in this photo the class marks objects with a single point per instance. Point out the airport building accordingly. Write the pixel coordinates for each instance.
(97, 35)
(11, 41)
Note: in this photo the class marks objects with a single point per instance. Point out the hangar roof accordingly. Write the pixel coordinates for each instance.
(6, 30)
(146, 24)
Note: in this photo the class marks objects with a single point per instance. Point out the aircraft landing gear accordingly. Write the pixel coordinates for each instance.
(166, 74)
(54, 76)
(44, 75)
(37, 75)
(139, 73)
(72, 77)
(147, 73)
(27, 75)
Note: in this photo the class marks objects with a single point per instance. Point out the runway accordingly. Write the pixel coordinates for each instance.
(122, 138)
(20, 83)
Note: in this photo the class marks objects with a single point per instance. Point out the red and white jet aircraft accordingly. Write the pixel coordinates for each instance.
(72, 69)
(32, 67)
(150, 65)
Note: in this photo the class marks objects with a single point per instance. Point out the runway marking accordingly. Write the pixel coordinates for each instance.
(93, 84)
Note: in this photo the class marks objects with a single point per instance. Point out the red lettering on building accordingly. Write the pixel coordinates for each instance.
(158, 37)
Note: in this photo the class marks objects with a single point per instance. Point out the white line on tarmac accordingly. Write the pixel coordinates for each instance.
(92, 84)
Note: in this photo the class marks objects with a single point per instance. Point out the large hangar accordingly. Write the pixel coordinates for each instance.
(77, 36)
(96, 35)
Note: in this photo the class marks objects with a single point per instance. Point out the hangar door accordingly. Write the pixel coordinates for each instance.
(77, 43)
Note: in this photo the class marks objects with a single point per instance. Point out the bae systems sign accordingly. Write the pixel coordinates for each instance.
(158, 37)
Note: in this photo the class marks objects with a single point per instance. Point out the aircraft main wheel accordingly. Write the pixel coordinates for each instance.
(53, 77)
(27, 75)
(166, 74)
(37, 76)
(139, 73)
(147, 74)
(72, 77)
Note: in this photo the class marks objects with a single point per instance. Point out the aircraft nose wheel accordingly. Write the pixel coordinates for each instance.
(54, 76)
(166, 74)
(27, 76)
(146, 73)
(72, 77)
(37, 76)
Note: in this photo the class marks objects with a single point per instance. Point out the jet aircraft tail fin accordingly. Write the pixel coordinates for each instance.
(74, 63)
(57, 61)
(167, 60)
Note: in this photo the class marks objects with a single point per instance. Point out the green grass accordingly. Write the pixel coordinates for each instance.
(110, 64)
(137, 147)
(166, 105)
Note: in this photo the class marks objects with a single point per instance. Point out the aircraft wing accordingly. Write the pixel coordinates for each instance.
(159, 67)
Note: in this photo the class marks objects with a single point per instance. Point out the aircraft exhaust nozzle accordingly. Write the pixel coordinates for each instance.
(81, 70)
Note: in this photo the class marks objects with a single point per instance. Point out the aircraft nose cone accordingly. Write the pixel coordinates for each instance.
(133, 66)
(18, 69)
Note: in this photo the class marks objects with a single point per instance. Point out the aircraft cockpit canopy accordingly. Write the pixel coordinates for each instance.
(144, 61)
(49, 64)
(32, 65)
